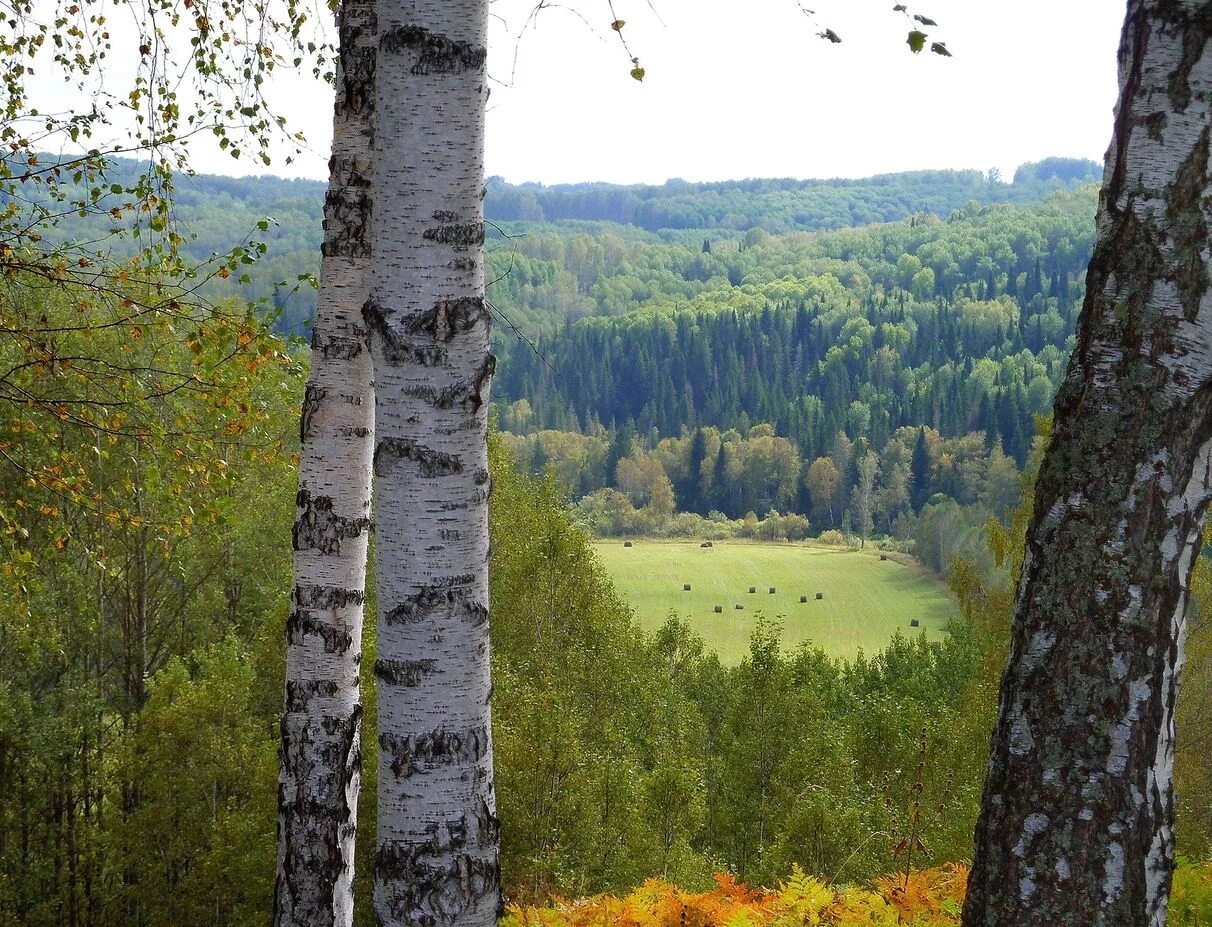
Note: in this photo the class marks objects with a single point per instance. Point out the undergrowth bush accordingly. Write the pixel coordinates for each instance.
(922, 898)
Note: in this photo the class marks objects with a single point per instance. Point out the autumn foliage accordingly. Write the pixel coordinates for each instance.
(922, 898)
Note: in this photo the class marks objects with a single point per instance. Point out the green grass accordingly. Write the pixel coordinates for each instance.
(866, 600)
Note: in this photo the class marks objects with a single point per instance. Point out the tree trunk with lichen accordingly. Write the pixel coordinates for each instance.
(320, 752)
(1076, 826)
(437, 855)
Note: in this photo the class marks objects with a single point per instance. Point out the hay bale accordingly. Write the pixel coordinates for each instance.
(772, 590)
(705, 544)
(685, 587)
(739, 606)
(719, 609)
(803, 598)
(820, 595)
(627, 544)
(753, 589)
(913, 623)
(883, 556)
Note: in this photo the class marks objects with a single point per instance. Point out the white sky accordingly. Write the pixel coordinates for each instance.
(747, 90)
(738, 90)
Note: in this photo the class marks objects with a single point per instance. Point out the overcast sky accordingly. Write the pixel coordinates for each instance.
(746, 89)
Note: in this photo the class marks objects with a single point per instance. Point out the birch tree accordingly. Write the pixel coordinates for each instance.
(321, 722)
(437, 859)
(1076, 825)
(864, 495)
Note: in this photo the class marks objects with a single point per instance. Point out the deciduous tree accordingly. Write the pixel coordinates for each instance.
(437, 858)
(322, 713)
(1076, 825)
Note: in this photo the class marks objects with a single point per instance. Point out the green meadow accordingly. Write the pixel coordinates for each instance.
(865, 600)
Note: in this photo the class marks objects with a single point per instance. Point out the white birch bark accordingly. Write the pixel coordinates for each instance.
(320, 754)
(1077, 821)
(437, 857)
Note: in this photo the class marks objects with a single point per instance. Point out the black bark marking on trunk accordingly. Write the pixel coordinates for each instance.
(457, 602)
(300, 692)
(478, 396)
(315, 821)
(313, 396)
(434, 887)
(399, 349)
(358, 58)
(411, 752)
(462, 236)
(409, 673)
(317, 527)
(337, 347)
(436, 54)
(449, 317)
(327, 598)
(301, 623)
(432, 463)
(471, 393)
(347, 215)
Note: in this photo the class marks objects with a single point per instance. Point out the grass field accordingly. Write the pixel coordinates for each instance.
(865, 602)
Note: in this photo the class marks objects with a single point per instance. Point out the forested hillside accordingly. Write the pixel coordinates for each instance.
(213, 213)
(958, 325)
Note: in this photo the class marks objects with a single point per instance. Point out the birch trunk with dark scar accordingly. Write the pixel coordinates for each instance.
(321, 722)
(437, 856)
(1076, 825)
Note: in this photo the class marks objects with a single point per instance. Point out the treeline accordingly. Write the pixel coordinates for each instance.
(781, 205)
(632, 484)
(959, 326)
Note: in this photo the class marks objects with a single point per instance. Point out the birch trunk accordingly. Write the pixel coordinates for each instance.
(1076, 825)
(437, 855)
(321, 722)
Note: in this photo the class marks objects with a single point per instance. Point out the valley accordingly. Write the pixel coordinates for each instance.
(865, 600)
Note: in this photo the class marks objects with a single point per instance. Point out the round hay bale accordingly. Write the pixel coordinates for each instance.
(685, 587)
(913, 623)
(705, 544)
(753, 589)
(883, 556)
(772, 590)
(719, 609)
(628, 544)
(803, 598)
(739, 606)
(820, 595)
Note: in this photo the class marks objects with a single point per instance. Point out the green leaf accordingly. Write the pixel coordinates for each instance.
(940, 49)
(637, 72)
(916, 41)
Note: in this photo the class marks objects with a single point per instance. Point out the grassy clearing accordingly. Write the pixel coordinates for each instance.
(865, 602)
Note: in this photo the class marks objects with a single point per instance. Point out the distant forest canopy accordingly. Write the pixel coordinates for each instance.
(782, 204)
(213, 212)
(959, 325)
